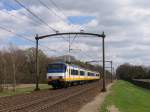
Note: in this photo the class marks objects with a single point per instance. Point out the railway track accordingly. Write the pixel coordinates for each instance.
(46, 102)
(39, 109)
(12, 101)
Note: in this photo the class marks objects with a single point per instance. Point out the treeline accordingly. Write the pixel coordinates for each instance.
(129, 72)
(18, 66)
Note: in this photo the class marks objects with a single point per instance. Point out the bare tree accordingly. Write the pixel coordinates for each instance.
(13, 55)
(30, 58)
(1, 74)
(4, 71)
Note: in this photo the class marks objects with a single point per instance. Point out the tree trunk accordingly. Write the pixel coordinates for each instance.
(14, 77)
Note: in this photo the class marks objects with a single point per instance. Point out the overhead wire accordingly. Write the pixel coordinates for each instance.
(19, 18)
(56, 6)
(70, 21)
(73, 39)
(33, 14)
(65, 16)
(18, 35)
(23, 37)
(85, 53)
(36, 16)
(50, 10)
(35, 22)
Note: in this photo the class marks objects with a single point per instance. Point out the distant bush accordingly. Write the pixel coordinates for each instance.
(128, 72)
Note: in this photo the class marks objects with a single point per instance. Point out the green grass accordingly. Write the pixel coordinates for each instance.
(127, 98)
(23, 90)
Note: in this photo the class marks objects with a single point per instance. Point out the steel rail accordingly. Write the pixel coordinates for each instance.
(59, 101)
(34, 102)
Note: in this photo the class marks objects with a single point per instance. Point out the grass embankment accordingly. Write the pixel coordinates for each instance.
(127, 97)
(23, 90)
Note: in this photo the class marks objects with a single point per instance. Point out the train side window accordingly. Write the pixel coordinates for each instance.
(89, 74)
(71, 71)
(82, 73)
(74, 72)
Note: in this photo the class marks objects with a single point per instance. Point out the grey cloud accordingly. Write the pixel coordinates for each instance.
(126, 28)
(141, 3)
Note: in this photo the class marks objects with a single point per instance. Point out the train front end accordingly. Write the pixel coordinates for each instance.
(56, 74)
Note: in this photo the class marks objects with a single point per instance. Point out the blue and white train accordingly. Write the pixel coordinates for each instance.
(63, 75)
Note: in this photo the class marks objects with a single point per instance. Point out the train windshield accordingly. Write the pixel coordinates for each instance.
(56, 68)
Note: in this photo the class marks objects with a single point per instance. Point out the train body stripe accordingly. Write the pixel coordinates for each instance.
(75, 79)
(79, 79)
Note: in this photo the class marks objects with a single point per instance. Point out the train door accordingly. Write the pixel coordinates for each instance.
(69, 73)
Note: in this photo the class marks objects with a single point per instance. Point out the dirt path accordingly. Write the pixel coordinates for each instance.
(94, 106)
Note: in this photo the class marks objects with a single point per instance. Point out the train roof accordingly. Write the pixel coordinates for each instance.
(73, 65)
(59, 62)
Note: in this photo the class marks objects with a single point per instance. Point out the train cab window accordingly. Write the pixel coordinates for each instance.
(57, 68)
(74, 72)
(82, 73)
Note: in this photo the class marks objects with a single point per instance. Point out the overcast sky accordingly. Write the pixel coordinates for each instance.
(125, 22)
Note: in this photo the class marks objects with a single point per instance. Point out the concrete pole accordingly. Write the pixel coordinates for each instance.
(103, 48)
(37, 65)
(111, 72)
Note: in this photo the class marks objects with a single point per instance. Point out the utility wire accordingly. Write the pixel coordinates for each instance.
(18, 34)
(33, 14)
(23, 37)
(86, 54)
(22, 18)
(50, 10)
(70, 21)
(73, 39)
(56, 6)
(35, 22)
(19, 18)
(36, 16)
